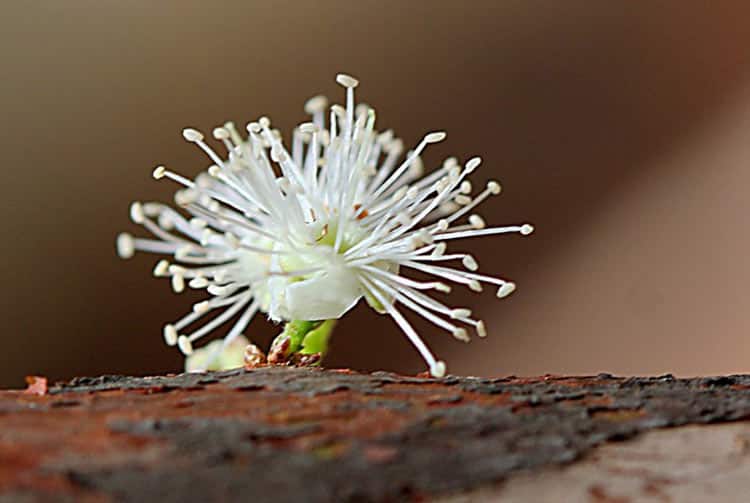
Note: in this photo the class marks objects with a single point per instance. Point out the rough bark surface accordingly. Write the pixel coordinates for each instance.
(689, 464)
(300, 434)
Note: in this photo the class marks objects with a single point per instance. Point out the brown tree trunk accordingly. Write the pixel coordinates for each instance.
(293, 434)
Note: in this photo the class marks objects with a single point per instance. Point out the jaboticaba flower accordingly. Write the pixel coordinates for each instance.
(305, 234)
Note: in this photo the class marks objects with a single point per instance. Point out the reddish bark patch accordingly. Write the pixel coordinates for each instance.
(36, 385)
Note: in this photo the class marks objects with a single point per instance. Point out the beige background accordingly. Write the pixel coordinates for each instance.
(621, 130)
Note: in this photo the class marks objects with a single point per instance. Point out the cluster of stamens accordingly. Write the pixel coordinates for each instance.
(306, 234)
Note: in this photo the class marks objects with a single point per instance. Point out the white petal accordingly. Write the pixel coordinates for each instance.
(324, 297)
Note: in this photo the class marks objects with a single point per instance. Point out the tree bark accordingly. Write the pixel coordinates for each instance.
(283, 434)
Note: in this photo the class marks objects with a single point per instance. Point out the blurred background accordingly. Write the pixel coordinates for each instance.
(620, 129)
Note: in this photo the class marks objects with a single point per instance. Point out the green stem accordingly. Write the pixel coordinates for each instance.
(307, 337)
(296, 330)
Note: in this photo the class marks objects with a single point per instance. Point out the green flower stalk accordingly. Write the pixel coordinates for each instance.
(307, 340)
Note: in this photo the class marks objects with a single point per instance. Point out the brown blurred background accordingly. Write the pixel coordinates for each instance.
(621, 129)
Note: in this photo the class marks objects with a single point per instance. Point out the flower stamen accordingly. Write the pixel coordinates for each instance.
(302, 236)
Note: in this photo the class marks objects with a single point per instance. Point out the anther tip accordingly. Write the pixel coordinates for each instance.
(472, 164)
(221, 133)
(136, 212)
(347, 80)
(198, 282)
(214, 170)
(185, 345)
(494, 187)
(170, 334)
(477, 222)
(202, 307)
(192, 135)
(185, 197)
(125, 245)
(198, 223)
(506, 289)
(161, 269)
(316, 104)
(438, 369)
(178, 282)
(470, 263)
(481, 329)
(527, 229)
(442, 287)
(461, 334)
(307, 127)
(435, 137)
(440, 249)
(159, 172)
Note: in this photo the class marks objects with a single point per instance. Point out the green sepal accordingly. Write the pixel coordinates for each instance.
(296, 330)
(316, 341)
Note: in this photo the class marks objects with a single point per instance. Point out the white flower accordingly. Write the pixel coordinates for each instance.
(305, 235)
(217, 356)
